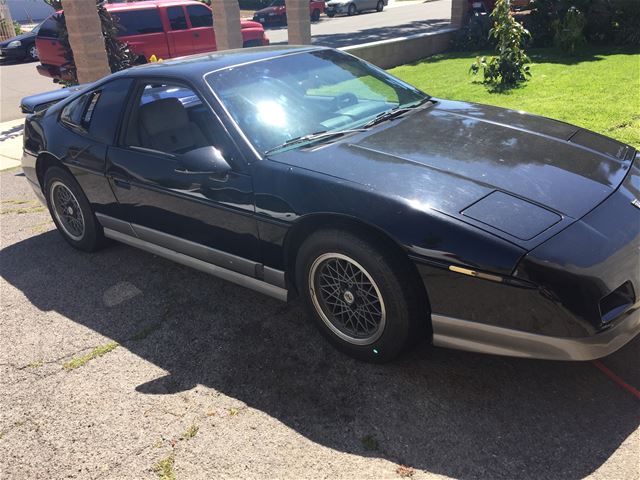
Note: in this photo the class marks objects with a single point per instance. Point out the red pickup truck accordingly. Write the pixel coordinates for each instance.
(162, 28)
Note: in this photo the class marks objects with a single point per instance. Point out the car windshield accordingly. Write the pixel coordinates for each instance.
(284, 98)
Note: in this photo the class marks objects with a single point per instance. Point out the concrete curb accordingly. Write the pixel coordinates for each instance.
(11, 143)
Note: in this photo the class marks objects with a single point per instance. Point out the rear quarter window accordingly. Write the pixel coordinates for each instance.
(138, 22)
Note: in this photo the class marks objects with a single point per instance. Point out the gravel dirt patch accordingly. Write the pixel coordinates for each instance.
(187, 374)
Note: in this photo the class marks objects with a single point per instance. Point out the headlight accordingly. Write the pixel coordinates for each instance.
(14, 44)
(271, 14)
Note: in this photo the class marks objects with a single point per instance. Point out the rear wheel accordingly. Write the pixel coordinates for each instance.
(362, 297)
(315, 15)
(71, 211)
(352, 10)
(380, 6)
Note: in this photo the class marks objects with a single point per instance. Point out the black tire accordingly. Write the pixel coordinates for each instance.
(251, 43)
(352, 10)
(58, 181)
(380, 6)
(32, 53)
(315, 15)
(401, 316)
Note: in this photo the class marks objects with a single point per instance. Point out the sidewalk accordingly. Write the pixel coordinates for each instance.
(11, 143)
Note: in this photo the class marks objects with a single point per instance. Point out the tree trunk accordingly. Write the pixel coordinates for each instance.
(459, 13)
(226, 15)
(7, 30)
(86, 40)
(298, 22)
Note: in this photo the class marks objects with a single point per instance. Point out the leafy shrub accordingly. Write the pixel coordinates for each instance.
(17, 27)
(474, 35)
(540, 22)
(509, 67)
(570, 32)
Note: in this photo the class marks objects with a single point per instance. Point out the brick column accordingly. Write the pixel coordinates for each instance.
(226, 21)
(86, 40)
(7, 30)
(298, 22)
(459, 12)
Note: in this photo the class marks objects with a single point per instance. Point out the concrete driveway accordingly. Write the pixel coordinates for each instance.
(123, 365)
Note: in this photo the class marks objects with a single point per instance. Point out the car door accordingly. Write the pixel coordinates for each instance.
(201, 21)
(87, 126)
(202, 214)
(142, 29)
(178, 34)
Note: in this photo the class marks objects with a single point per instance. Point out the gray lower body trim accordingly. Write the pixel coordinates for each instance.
(478, 337)
(215, 270)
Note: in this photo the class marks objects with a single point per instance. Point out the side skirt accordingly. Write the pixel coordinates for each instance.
(216, 271)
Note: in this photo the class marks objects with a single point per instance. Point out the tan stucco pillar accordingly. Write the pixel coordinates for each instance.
(298, 22)
(226, 21)
(459, 12)
(86, 40)
(7, 30)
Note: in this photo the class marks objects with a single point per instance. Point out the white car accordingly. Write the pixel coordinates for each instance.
(351, 7)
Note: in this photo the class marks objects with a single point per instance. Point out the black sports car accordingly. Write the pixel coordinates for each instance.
(20, 47)
(396, 216)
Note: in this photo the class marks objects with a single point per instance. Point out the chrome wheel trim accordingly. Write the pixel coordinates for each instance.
(355, 311)
(66, 209)
(33, 52)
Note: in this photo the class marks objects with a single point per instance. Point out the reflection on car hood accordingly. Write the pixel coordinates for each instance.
(451, 155)
(21, 37)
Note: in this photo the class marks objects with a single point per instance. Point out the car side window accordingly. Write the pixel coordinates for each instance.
(138, 22)
(172, 119)
(51, 27)
(79, 112)
(200, 16)
(177, 18)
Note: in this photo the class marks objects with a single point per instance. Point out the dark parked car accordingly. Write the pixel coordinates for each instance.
(396, 216)
(276, 12)
(21, 47)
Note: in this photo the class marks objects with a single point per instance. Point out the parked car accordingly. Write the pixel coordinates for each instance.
(160, 28)
(276, 12)
(351, 7)
(396, 216)
(21, 47)
(480, 7)
(520, 4)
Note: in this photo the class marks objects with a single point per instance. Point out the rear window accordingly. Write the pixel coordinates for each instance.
(200, 16)
(138, 22)
(50, 28)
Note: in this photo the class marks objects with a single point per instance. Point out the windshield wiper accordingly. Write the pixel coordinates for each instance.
(312, 137)
(394, 112)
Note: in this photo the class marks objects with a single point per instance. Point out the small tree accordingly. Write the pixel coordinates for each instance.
(119, 54)
(570, 33)
(509, 67)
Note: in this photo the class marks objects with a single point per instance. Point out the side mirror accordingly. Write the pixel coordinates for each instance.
(204, 161)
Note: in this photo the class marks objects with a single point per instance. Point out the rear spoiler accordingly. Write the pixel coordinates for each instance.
(42, 101)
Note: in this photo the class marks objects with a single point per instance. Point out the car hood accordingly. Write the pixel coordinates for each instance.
(478, 163)
(21, 37)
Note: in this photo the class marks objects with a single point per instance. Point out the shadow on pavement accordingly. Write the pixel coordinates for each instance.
(451, 413)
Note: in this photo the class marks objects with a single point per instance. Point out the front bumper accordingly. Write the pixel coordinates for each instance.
(336, 9)
(482, 338)
(13, 53)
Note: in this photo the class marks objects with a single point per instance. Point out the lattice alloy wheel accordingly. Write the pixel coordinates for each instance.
(347, 298)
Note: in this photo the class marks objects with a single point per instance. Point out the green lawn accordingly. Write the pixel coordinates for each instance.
(599, 91)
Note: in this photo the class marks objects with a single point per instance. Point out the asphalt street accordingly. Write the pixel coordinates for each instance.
(119, 364)
(400, 19)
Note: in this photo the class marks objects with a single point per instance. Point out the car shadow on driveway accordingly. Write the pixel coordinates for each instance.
(452, 413)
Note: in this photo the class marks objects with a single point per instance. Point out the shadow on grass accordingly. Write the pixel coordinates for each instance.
(451, 413)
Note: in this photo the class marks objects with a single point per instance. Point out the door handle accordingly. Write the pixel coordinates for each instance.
(119, 182)
(196, 34)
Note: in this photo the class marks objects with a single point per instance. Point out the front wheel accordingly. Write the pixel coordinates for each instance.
(352, 10)
(362, 297)
(315, 15)
(33, 53)
(380, 6)
(71, 211)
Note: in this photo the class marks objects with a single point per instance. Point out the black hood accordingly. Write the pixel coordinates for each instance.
(453, 154)
(22, 37)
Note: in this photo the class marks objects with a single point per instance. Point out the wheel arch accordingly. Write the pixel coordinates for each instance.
(45, 161)
(307, 225)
